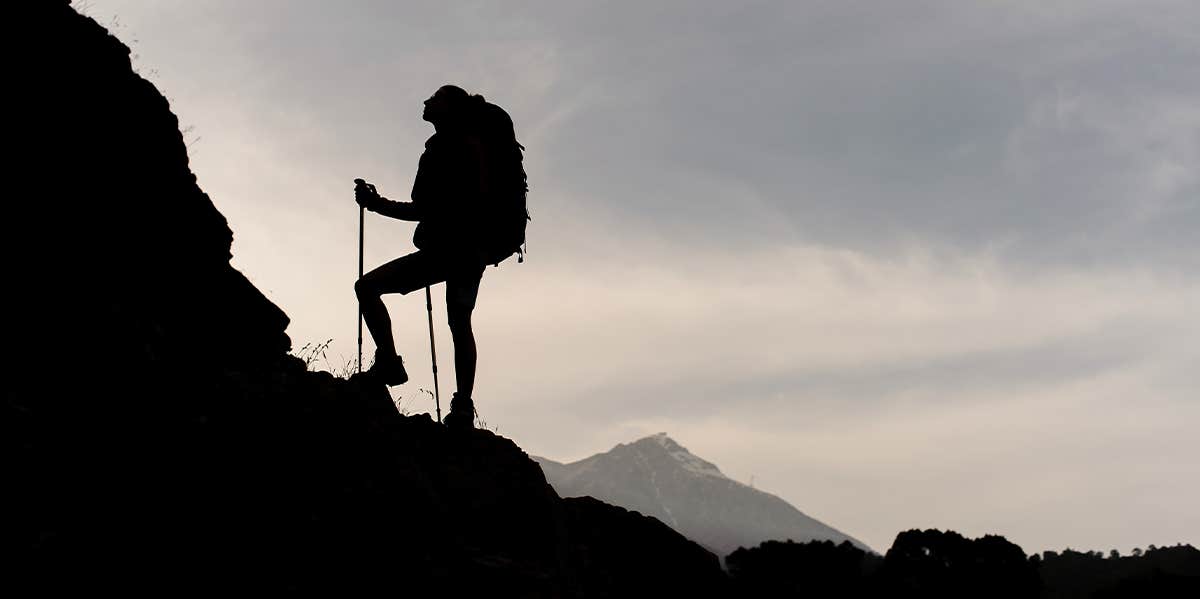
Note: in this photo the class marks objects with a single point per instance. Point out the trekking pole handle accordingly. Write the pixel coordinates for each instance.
(363, 183)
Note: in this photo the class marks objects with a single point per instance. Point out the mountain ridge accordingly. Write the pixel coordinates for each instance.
(659, 477)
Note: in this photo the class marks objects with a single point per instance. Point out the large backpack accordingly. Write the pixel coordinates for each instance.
(506, 211)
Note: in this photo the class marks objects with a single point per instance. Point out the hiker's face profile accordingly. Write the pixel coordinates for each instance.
(437, 107)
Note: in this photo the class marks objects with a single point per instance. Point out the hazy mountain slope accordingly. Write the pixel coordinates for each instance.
(658, 477)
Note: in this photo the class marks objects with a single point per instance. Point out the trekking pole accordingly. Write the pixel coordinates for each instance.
(361, 213)
(361, 210)
(437, 401)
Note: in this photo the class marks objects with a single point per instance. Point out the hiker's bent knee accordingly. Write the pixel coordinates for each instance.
(365, 290)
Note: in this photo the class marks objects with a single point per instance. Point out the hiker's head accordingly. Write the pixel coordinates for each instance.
(450, 105)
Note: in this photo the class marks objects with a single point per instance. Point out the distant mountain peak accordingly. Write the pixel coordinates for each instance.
(660, 478)
(686, 459)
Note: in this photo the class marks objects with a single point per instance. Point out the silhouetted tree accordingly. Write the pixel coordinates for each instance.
(812, 569)
(1157, 572)
(933, 563)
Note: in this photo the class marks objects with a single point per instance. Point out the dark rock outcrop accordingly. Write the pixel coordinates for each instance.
(163, 441)
(613, 545)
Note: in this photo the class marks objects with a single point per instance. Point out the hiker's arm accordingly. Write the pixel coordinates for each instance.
(367, 197)
(398, 210)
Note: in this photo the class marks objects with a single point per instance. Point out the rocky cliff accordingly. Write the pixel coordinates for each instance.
(160, 436)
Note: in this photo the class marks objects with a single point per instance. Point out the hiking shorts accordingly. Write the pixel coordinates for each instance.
(422, 268)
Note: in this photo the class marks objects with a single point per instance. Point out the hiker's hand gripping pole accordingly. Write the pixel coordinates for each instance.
(365, 195)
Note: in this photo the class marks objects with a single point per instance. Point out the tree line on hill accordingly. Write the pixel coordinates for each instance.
(937, 564)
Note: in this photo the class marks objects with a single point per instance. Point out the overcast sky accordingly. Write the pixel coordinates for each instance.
(906, 264)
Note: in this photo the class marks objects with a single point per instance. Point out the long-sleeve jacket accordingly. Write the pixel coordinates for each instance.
(447, 195)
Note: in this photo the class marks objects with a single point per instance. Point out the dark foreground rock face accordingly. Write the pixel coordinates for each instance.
(160, 439)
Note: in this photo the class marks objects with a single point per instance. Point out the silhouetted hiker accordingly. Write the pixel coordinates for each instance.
(469, 201)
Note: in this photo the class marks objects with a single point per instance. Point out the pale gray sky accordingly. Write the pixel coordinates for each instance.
(907, 264)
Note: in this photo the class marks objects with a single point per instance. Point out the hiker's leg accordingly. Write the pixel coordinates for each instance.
(461, 291)
(375, 314)
(402, 275)
(465, 355)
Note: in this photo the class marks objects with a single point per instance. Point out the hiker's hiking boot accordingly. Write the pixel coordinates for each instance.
(462, 414)
(389, 370)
